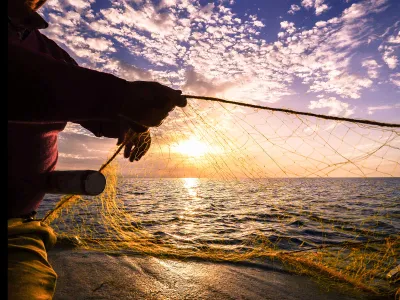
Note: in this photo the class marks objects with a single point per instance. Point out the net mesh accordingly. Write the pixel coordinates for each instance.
(241, 153)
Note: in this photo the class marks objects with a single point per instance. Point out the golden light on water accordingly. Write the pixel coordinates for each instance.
(190, 184)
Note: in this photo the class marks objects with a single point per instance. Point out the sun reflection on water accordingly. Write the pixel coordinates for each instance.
(191, 184)
(189, 206)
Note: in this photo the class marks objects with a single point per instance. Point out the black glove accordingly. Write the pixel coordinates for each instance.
(148, 103)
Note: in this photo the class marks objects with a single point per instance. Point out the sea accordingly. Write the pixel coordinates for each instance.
(290, 213)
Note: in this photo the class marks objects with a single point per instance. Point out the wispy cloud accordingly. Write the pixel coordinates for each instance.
(391, 50)
(395, 79)
(389, 56)
(336, 107)
(372, 109)
(372, 68)
(75, 156)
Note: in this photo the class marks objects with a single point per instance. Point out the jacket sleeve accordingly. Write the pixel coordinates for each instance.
(44, 89)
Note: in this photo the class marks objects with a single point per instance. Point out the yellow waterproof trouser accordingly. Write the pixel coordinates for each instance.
(30, 275)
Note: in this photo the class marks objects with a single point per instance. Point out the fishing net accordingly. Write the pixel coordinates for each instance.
(241, 183)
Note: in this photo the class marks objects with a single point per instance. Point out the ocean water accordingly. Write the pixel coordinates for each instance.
(290, 213)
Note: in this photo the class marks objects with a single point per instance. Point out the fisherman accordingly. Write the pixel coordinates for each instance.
(47, 89)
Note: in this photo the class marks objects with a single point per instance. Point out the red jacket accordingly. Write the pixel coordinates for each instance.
(46, 89)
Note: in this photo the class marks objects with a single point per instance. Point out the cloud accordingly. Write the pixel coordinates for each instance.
(372, 109)
(100, 44)
(335, 106)
(293, 9)
(79, 4)
(372, 67)
(258, 24)
(395, 79)
(127, 71)
(345, 85)
(75, 156)
(73, 128)
(224, 53)
(389, 56)
(320, 24)
(390, 46)
(318, 5)
(394, 39)
(362, 9)
(199, 85)
(167, 3)
(147, 18)
(288, 26)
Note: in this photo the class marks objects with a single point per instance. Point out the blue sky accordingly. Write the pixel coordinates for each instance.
(336, 57)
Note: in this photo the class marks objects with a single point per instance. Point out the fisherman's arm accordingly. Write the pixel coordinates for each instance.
(55, 91)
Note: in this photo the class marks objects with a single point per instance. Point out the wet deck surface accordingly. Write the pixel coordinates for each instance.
(92, 275)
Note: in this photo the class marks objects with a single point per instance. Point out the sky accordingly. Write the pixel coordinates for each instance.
(334, 57)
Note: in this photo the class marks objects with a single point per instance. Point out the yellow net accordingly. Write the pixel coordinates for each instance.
(227, 182)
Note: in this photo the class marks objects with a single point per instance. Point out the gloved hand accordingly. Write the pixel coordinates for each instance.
(136, 145)
(148, 103)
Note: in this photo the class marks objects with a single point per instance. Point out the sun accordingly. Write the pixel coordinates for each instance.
(191, 147)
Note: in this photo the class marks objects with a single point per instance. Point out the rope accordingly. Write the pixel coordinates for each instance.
(289, 111)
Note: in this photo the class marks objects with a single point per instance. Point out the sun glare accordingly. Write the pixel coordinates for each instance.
(192, 147)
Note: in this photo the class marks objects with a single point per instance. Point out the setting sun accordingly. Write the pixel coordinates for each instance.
(192, 147)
